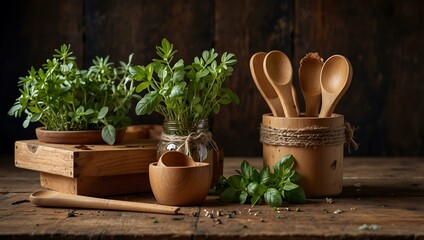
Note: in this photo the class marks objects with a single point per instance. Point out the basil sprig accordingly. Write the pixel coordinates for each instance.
(254, 186)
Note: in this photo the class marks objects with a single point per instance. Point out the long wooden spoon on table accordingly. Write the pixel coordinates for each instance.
(278, 69)
(263, 85)
(57, 199)
(309, 78)
(336, 76)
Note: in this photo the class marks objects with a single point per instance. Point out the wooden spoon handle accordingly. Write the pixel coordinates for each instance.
(57, 199)
(286, 97)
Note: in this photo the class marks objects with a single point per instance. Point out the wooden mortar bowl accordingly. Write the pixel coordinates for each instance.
(179, 186)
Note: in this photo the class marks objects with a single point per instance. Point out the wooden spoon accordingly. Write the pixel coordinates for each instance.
(295, 101)
(336, 76)
(309, 78)
(57, 199)
(263, 84)
(278, 69)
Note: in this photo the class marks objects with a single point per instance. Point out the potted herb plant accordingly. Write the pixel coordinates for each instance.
(66, 99)
(185, 95)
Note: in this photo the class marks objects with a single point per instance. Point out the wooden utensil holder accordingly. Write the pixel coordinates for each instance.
(316, 144)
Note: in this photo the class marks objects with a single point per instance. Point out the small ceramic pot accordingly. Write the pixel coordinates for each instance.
(74, 137)
(182, 185)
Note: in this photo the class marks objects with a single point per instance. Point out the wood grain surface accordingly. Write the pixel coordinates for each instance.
(381, 38)
(388, 192)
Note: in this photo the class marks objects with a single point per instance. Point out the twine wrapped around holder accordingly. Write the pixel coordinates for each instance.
(312, 136)
(194, 139)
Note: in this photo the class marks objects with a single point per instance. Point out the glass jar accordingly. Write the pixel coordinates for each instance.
(193, 139)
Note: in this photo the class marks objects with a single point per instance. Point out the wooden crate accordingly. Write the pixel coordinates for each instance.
(92, 170)
(85, 160)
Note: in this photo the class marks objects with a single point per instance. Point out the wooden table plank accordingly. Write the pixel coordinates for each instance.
(388, 192)
(317, 219)
(26, 220)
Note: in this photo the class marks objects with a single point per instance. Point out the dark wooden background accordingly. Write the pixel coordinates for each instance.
(382, 38)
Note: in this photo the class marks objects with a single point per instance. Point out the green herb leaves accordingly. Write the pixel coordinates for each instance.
(63, 97)
(184, 93)
(254, 186)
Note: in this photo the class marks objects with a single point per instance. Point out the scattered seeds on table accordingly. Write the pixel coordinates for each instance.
(371, 227)
(338, 211)
(72, 214)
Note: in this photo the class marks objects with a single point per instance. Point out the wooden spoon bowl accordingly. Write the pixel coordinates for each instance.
(309, 78)
(278, 70)
(336, 76)
(263, 84)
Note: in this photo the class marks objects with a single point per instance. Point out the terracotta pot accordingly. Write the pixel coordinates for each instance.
(75, 137)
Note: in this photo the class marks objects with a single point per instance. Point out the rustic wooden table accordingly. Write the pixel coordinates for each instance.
(387, 193)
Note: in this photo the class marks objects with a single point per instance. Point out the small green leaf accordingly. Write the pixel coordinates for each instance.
(109, 134)
(36, 117)
(179, 64)
(234, 181)
(265, 175)
(178, 76)
(290, 186)
(88, 112)
(273, 197)
(255, 175)
(202, 73)
(142, 86)
(243, 183)
(243, 197)
(147, 104)
(178, 90)
(286, 163)
(230, 195)
(102, 113)
(26, 122)
(198, 108)
(162, 73)
(246, 169)
(256, 189)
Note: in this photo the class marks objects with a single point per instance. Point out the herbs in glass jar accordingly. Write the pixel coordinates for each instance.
(63, 97)
(185, 95)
